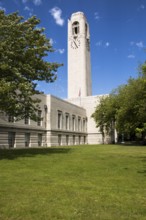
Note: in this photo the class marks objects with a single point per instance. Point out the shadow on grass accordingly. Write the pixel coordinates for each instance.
(12, 154)
(133, 143)
(144, 170)
(128, 144)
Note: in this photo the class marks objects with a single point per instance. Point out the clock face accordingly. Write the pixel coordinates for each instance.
(75, 43)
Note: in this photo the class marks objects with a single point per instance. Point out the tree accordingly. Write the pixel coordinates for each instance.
(22, 50)
(132, 111)
(105, 114)
(142, 70)
(125, 108)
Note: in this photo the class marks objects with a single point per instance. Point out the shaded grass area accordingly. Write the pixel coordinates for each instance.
(31, 152)
(83, 182)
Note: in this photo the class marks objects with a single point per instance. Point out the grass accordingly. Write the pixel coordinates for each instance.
(103, 182)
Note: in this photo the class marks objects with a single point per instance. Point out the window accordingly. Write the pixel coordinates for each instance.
(67, 121)
(74, 139)
(27, 139)
(79, 139)
(73, 122)
(11, 139)
(39, 123)
(84, 139)
(75, 28)
(59, 119)
(79, 124)
(87, 31)
(40, 140)
(84, 124)
(59, 139)
(86, 28)
(67, 139)
(10, 118)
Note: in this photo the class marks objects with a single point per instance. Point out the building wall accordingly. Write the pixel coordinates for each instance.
(18, 134)
(63, 134)
(89, 103)
(16, 138)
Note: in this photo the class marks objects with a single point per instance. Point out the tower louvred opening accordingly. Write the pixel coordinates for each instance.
(75, 28)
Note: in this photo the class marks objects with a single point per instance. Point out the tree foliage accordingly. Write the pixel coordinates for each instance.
(22, 50)
(125, 108)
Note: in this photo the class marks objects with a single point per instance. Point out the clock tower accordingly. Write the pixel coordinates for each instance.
(79, 72)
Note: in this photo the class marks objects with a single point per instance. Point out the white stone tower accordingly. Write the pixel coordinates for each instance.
(79, 68)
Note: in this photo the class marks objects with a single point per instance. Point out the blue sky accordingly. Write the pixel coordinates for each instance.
(117, 36)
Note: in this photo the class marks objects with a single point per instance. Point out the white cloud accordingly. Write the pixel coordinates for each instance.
(99, 43)
(61, 51)
(37, 2)
(27, 8)
(103, 44)
(24, 1)
(139, 44)
(131, 56)
(30, 10)
(2, 8)
(96, 16)
(56, 13)
(51, 41)
(107, 44)
(141, 7)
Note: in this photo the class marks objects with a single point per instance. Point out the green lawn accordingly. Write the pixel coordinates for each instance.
(83, 182)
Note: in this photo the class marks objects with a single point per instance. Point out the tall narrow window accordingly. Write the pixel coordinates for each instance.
(86, 29)
(39, 122)
(27, 139)
(59, 139)
(79, 124)
(59, 119)
(74, 139)
(40, 140)
(73, 122)
(67, 139)
(75, 28)
(67, 121)
(79, 139)
(10, 118)
(84, 124)
(11, 139)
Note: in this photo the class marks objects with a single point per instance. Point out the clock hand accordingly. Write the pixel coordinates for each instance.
(75, 44)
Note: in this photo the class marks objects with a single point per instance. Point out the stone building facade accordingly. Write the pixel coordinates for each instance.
(62, 123)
